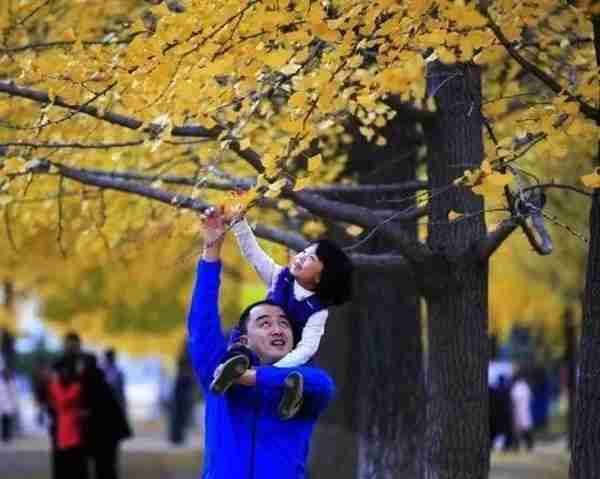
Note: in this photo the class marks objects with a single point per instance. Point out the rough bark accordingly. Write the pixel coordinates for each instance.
(585, 438)
(391, 393)
(374, 427)
(457, 403)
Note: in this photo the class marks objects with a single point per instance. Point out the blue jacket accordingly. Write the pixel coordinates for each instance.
(245, 438)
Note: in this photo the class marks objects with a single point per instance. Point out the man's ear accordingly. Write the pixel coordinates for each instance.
(243, 339)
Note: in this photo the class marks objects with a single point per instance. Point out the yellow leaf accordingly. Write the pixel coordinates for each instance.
(592, 180)
(454, 215)
(245, 144)
(298, 99)
(313, 228)
(381, 141)
(499, 179)
(354, 230)
(302, 183)
(277, 58)
(278, 185)
(315, 163)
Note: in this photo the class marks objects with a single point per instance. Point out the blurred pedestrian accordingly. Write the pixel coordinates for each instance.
(114, 376)
(107, 424)
(66, 397)
(523, 421)
(8, 404)
(182, 401)
(501, 421)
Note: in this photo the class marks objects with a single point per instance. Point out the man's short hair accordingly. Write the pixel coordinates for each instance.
(242, 325)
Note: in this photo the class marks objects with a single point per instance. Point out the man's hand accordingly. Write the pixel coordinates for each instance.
(214, 233)
(248, 378)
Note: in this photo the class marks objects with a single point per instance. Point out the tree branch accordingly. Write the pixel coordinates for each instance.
(412, 249)
(130, 122)
(588, 110)
(486, 247)
(409, 112)
(353, 190)
(80, 146)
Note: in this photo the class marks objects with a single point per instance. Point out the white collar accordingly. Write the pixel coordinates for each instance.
(300, 292)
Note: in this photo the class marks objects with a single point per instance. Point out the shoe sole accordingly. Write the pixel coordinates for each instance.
(233, 368)
(292, 396)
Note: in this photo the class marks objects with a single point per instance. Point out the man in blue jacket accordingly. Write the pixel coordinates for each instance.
(245, 438)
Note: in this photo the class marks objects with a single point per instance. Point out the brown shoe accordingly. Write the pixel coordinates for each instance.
(229, 371)
(293, 393)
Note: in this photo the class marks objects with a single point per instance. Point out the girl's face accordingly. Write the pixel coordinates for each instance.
(306, 267)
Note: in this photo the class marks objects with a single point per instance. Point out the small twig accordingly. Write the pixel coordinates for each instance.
(9, 233)
(60, 218)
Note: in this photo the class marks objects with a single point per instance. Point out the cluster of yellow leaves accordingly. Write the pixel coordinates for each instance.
(485, 180)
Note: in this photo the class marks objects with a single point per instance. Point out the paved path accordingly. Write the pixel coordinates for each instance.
(150, 456)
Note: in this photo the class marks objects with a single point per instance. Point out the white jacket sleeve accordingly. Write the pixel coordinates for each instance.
(266, 268)
(309, 343)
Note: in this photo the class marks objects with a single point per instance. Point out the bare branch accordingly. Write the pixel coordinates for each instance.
(544, 186)
(68, 43)
(352, 190)
(412, 249)
(9, 234)
(80, 146)
(380, 262)
(486, 247)
(129, 122)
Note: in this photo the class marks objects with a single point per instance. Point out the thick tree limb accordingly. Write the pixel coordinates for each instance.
(413, 250)
(381, 262)
(352, 190)
(106, 181)
(486, 247)
(588, 110)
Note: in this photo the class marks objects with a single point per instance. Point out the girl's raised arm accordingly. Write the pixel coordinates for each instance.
(266, 268)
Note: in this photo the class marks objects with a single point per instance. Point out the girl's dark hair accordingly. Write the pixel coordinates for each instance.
(335, 286)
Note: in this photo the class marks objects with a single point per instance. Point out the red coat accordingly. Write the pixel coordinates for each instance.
(67, 400)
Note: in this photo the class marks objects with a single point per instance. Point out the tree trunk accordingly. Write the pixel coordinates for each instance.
(585, 438)
(392, 384)
(570, 362)
(374, 347)
(457, 408)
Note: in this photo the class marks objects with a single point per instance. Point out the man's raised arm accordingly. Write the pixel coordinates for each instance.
(206, 341)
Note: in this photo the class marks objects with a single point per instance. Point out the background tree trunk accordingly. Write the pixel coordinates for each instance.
(457, 294)
(376, 342)
(585, 438)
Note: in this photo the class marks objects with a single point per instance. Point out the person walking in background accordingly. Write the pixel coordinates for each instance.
(8, 404)
(106, 424)
(501, 421)
(520, 394)
(66, 398)
(114, 376)
(181, 402)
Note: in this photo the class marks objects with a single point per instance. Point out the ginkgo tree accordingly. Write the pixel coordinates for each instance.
(184, 103)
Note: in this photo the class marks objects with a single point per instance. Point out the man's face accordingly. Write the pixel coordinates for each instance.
(269, 333)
